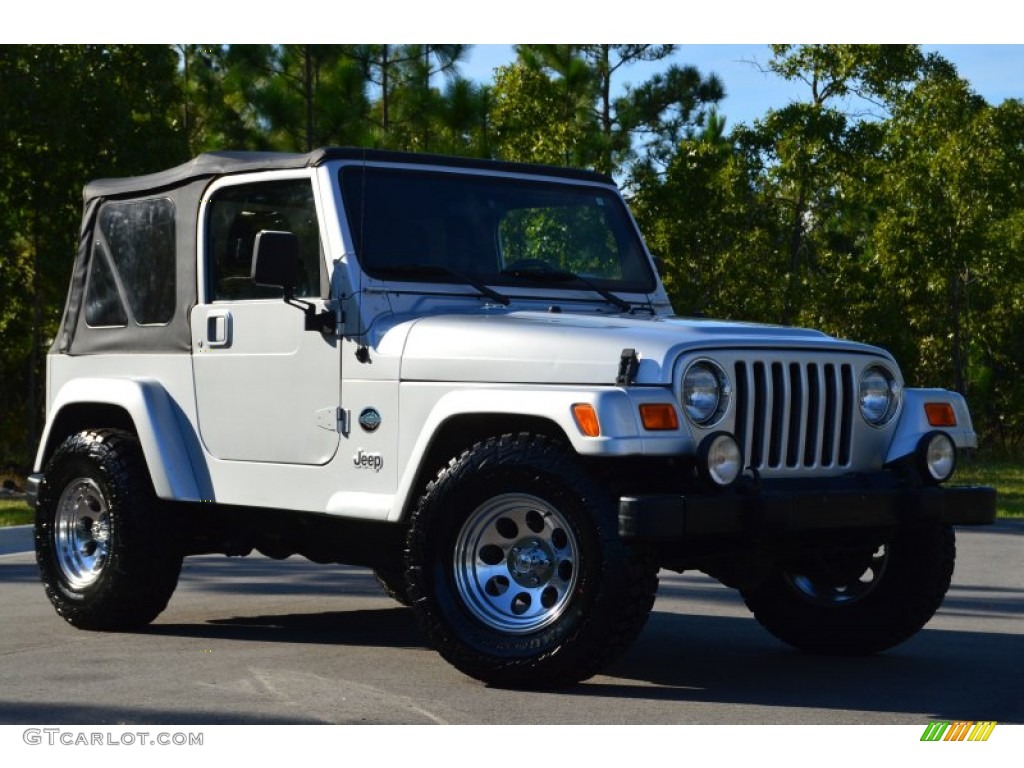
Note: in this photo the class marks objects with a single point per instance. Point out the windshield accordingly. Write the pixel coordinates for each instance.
(492, 229)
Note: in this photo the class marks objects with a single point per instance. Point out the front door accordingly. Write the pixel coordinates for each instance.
(267, 390)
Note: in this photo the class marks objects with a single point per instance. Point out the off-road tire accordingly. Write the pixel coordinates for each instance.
(392, 581)
(108, 555)
(515, 568)
(820, 607)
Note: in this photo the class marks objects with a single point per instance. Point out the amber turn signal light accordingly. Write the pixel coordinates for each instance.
(586, 419)
(659, 416)
(940, 414)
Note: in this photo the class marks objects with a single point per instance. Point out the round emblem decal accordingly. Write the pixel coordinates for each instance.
(369, 419)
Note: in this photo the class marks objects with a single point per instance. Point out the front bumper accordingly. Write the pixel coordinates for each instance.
(782, 511)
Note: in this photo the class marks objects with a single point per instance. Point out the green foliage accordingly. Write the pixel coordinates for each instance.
(290, 97)
(949, 238)
(557, 105)
(534, 121)
(407, 110)
(885, 204)
(68, 114)
(703, 218)
(873, 73)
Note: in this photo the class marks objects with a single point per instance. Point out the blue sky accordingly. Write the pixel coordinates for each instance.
(996, 72)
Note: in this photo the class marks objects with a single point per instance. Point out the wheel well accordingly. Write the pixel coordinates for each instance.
(77, 417)
(459, 433)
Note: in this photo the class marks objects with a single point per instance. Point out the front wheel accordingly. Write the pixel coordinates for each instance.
(392, 581)
(516, 571)
(108, 557)
(857, 603)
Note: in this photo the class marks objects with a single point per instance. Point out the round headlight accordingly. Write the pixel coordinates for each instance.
(879, 395)
(705, 393)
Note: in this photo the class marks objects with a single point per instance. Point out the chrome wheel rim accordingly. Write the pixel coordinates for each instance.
(838, 583)
(82, 532)
(516, 563)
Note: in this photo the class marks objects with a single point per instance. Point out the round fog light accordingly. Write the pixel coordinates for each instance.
(719, 459)
(936, 456)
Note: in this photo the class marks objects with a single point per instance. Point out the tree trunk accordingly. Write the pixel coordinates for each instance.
(605, 74)
(307, 84)
(384, 86)
(32, 415)
(796, 239)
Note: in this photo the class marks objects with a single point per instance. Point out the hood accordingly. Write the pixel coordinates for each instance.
(563, 348)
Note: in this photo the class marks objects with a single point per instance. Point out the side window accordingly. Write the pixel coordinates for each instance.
(103, 305)
(132, 269)
(236, 214)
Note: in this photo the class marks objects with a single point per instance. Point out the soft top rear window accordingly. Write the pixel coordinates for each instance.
(138, 238)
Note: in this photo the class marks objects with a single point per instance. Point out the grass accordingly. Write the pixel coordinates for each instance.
(15, 513)
(1006, 476)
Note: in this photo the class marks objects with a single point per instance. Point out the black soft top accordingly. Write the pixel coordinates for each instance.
(221, 163)
(184, 186)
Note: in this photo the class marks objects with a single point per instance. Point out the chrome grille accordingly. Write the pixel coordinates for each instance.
(794, 414)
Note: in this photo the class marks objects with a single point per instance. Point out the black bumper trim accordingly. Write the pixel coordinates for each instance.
(773, 513)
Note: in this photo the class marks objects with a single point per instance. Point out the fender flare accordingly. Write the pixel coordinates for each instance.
(617, 409)
(174, 461)
(913, 422)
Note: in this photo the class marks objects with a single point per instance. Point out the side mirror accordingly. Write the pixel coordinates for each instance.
(275, 260)
(275, 263)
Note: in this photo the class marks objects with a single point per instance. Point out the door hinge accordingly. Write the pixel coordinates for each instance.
(335, 419)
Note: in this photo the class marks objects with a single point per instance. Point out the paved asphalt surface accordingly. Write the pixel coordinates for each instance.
(253, 641)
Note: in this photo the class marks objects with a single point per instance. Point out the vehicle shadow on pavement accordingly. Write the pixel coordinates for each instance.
(46, 713)
(387, 627)
(259, 575)
(1013, 526)
(19, 573)
(724, 659)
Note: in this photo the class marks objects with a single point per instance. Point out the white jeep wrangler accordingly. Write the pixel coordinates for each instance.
(467, 376)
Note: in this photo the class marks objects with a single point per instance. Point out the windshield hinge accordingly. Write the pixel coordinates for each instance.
(629, 364)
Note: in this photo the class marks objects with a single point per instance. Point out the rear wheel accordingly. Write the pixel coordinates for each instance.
(862, 602)
(516, 570)
(108, 557)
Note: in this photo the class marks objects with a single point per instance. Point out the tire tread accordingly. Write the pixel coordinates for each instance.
(614, 620)
(142, 573)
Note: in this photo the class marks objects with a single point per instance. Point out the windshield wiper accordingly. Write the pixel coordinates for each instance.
(420, 270)
(538, 270)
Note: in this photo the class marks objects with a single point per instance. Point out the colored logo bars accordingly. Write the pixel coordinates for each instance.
(959, 730)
